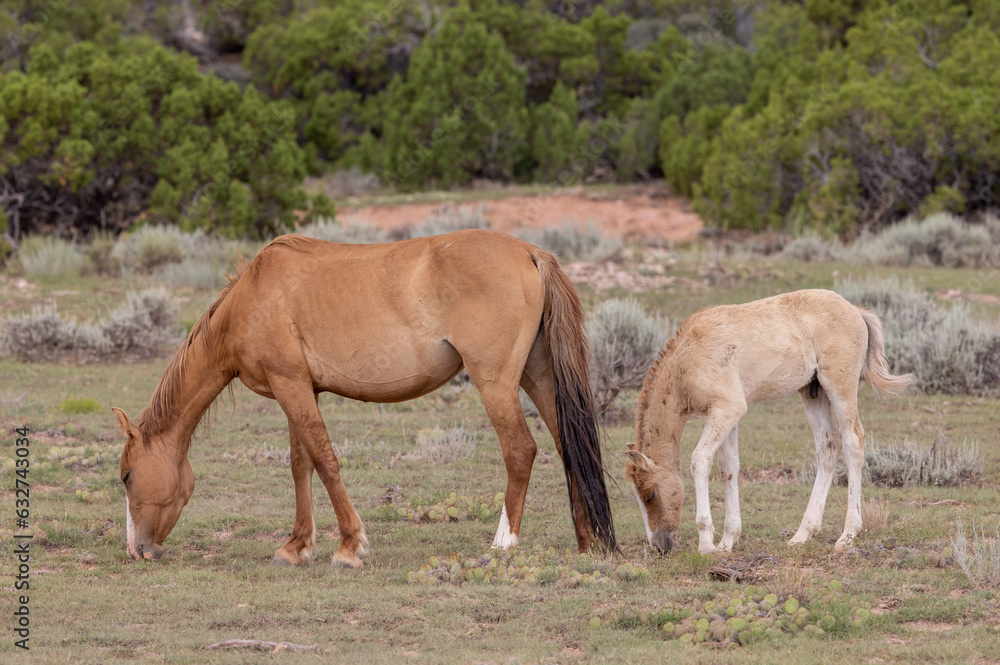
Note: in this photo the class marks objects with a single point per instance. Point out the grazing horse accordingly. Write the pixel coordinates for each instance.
(722, 358)
(378, 323)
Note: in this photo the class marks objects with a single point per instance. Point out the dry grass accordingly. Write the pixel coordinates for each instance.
(875, 515)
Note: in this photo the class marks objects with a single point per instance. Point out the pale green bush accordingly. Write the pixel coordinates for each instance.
(624, 341)
(948, 349)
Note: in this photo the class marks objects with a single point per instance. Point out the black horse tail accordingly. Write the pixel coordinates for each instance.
(576, 410)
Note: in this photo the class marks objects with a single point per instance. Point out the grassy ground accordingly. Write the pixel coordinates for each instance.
(88, 605)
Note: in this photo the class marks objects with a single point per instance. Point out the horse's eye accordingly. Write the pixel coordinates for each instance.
(125, 477)
(650, 497)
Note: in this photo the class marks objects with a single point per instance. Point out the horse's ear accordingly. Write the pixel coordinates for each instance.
(630, 445)
(639, 460)
(124, 423)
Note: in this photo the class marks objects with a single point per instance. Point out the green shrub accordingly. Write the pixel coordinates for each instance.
(49, 256)
(624, 341)
(138, 118)
(947, 348)
(80, 405)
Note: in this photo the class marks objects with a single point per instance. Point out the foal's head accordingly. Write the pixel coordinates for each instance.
(660, 493)
(158, 483)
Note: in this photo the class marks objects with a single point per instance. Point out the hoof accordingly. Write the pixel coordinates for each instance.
(279, 561)
(346, 561)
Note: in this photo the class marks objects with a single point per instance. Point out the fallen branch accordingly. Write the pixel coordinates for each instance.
(261, 645)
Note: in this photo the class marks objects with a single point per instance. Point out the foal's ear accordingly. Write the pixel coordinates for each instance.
(123, 422)
(630, 445)
(640, 460)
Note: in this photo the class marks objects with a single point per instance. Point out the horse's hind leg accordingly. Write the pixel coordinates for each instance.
(305, 423)
(302, 544)
(504, 410)
(538, 382)
(852, 435)
(729, 465)
(818, 413)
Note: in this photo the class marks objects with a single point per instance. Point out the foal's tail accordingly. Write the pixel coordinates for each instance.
(576, 411)
(876, 368)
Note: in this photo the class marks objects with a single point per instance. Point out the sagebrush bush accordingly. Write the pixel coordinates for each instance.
(449, 218)
(42, 335)
(444, 446)
(193, 274)
(100, 253)
(948, 349)
(939, 240)
(624, 341)
(980, 559)
(137, 329)
(142, 324)
(571, 243)
(907, 464)
(157, 245)
(48, 256)
(357, 234)
(811, 248)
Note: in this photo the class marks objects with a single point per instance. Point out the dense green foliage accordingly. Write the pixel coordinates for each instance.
(829, 115)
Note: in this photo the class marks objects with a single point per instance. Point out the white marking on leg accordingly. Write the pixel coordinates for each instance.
(505, 539)
(645, 516)
(129, 529)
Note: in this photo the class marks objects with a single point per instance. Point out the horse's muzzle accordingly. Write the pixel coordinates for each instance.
(663, 542)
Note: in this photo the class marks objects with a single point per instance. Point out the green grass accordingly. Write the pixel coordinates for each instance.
(89, 605)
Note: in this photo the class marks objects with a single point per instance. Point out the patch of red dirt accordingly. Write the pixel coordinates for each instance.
(631, 212)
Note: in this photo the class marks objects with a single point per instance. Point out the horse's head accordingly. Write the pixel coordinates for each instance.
(660, 493)
(158, 483)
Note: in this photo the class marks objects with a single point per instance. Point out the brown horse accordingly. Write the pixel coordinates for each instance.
(379, 323)
(721, 358)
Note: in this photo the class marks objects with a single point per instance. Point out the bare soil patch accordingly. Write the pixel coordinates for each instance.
(631, 212)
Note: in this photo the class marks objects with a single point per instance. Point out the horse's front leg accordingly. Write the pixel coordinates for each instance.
(729, 465)
(298, 401)
(302, 543)
(721, 421)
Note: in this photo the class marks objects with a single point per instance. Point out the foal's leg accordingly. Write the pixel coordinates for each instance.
(818, 413)
(722, 418)
(729, 465)
(852, 435)
(537, 381)
(302, 544)
(298, 401)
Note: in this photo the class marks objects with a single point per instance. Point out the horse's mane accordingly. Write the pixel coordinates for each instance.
(647, 385)
(155, 418)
